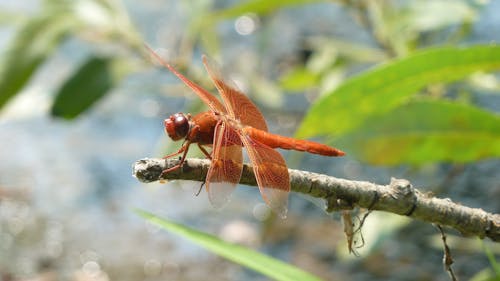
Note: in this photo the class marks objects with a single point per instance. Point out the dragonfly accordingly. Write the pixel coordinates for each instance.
(228, 127)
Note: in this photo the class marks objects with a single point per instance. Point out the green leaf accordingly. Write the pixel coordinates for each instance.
(259, 7)
(435, 14)
(86, 86)
(266, 265)
(299, 79)
(387, 86)
(33, 43)
(426, 131)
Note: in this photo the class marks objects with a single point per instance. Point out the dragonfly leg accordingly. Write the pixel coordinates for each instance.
(181, 150)
(199, 190)
(185, 149)
(205, 151)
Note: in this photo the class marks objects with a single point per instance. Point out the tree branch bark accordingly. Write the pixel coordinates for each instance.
(398, 197)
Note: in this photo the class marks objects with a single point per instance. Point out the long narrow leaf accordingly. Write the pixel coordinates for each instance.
(266, 265)
(426, 131)
(33, 44)
(387, 86)
(259, 7)
(85, 87)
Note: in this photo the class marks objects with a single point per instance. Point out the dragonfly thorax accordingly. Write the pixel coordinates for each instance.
(232, 122)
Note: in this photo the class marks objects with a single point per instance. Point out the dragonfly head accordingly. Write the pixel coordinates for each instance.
(177, 126)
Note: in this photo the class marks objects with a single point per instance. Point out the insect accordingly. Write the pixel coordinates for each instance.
(226, 128)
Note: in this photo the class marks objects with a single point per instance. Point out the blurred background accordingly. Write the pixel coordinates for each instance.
(82, 100)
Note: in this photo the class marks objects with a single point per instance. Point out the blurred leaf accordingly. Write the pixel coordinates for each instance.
(491, 257)
(486, 274)
(433, 14)
(465, 244)
(426, 131)
(351, 50)
(204, 25)
(259, 7)
(11, 18)
(206, 30)
(266, 92)
(86, 86)
(33, 44)
(270, 267)
(387, 86)
(299, 79)
(377, 230)
(488, 82)
(110, 6)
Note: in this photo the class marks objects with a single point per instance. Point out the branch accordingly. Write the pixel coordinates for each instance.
(398, 197)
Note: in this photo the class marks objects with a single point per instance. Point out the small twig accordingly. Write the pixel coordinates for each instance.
(351, 230)
(447, 258)
(398, 197)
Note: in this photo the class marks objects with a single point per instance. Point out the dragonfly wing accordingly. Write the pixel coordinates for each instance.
(226, 167)
(238, 105)
(203, 94)
(271, 174)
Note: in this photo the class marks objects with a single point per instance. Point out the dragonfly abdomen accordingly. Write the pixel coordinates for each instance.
(278, 141)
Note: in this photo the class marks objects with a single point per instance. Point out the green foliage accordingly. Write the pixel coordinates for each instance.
(87, 85)
(38, 37)
(205, 24)
(270, 267)
(259, 7)
(370, 115)
(426, 131)
(493, 262)
(34, 42)
(387, 86)
(299, 79)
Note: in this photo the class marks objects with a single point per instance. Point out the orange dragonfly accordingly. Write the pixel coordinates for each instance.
(228, 127)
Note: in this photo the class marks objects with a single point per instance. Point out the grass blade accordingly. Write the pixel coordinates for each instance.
(266, 265)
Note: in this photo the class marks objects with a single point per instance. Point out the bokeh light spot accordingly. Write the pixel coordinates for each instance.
(246, 25)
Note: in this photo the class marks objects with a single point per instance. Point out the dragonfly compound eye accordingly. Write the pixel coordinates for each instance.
(177, 126)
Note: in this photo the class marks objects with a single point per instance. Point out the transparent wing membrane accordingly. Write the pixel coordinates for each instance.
(238, 105)
(271, 174)
(203, 94)
(227, 163)
(236, 111)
